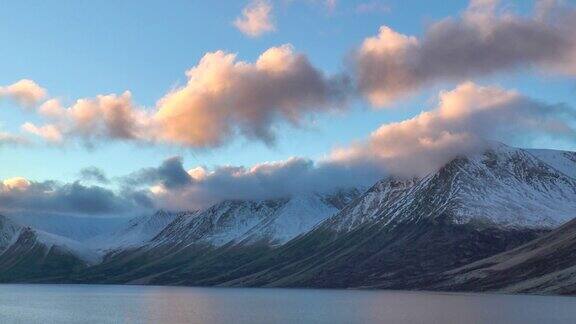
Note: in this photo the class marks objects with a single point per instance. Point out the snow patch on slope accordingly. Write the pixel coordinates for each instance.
(135, 232)
(273, 222)
(504, 186)
(76, 248)
(563, 161)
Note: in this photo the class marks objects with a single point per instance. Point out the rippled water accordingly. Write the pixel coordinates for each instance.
(140, 304)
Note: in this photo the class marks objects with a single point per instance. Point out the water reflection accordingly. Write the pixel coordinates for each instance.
(139, 304)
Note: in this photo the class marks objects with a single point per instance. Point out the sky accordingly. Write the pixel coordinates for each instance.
(121, 97)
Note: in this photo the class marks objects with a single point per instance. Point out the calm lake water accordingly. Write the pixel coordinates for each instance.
(139, 304)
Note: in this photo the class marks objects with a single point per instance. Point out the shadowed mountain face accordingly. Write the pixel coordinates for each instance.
(400, 233)
(545, 265)
(35, 256)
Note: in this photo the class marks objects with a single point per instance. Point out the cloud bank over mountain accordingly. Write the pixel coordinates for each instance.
(225, 99)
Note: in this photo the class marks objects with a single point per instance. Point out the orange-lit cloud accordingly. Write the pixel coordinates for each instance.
(224, 98)
(466, 121)
(25, 92)
(482, 41)
(465, 118)
(16, 183)
(463, 122)
(256, 19)
(49, 132)
(104, 117)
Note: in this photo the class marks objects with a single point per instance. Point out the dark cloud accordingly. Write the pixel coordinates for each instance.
(52, 197)
(263, 181)
(170, 174)
(94, 174)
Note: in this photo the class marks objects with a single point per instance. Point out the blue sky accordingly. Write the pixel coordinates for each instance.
(81, 49)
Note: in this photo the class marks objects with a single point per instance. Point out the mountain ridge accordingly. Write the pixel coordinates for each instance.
(400, 233)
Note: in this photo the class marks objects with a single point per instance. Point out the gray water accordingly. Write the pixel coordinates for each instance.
(140, 304)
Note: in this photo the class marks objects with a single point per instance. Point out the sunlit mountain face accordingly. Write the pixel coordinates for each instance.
(315, 144)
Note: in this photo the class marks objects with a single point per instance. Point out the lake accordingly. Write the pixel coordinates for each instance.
(141, 304)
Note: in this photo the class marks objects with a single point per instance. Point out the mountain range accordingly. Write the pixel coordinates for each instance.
(499, 220)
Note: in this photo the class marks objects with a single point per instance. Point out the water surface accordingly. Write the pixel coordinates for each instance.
(141, 304)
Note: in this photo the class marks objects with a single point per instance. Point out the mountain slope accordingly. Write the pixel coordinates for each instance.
(545, 265)
(400, 234)
(505, 187)
(220, 238)
(8, 232)
(77, 228)
(272, 222)
(31, 255)
(563, 161)
(135, 232)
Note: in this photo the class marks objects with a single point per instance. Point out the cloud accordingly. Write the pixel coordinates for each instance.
(463, 122)
(19, 194)
(202, 187)
(224, 97)
(256, 19)
(466, 121)
(16, 183)
(482, 41)
(170, 174)
(94, 174)
(11, 139)
(50, 133)
(465, 118)
(25, 92)
(104, 117)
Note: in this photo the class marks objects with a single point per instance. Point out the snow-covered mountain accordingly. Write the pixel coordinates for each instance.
(30, 254)
(400, 233)
(504, 186)
(562, 161)
(273, 222)
(135, 232)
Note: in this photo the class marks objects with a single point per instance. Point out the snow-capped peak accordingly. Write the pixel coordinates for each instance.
(503, 186)
(136, 231)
